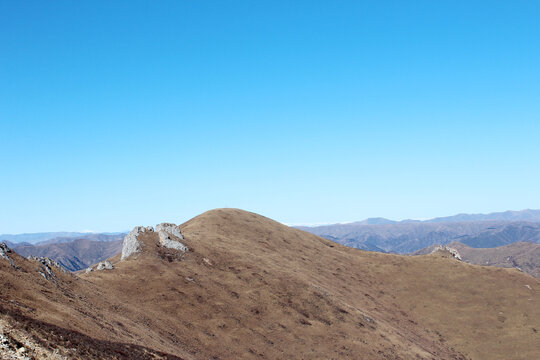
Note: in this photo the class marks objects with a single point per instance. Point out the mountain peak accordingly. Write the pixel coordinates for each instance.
(376, 221)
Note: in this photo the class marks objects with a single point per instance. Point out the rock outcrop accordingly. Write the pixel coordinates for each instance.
(5, 252)
(47, 265)
(47, 262)
(132, 245)
(105, 265)
(172, 229)
(449, 249)
(169, 235)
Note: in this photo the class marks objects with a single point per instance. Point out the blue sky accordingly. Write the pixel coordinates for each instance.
(114, 114)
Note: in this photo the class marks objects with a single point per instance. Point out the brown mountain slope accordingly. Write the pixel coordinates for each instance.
(53, 314)
(252, 288)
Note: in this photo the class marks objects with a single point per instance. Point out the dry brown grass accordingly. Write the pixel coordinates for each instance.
(269, 291)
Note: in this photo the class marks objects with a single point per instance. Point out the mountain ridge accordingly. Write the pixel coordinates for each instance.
(249, 287)
(409, 237)
(530, 215)
(74, 255)
(60, 236)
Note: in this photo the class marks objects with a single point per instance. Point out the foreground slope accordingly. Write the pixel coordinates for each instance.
(250, 287)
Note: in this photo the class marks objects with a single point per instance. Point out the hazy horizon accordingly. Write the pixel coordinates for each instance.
(179, 221)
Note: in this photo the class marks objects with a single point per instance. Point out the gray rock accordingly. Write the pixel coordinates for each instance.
(89, 270)
(132, 245)
(104, 265)
(169, 235)
(449, 249)
(5, 252)
(47, 262)
(47, 266)
(172, 229)
(368, 319)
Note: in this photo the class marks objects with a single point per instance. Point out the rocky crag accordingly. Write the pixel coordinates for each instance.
(5, 253)
(447, 249)
(169, 237)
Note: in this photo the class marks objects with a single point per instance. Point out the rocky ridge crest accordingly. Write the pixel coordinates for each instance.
(169, 237)
(5, 252)
(455, 254)
(47, 265)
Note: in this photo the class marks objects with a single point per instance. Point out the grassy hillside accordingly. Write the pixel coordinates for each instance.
(252, 288)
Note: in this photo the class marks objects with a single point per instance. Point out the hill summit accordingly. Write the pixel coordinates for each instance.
(230, 284)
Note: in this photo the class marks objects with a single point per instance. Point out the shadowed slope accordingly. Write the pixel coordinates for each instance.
(55, 312)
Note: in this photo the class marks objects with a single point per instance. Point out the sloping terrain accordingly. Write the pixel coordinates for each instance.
(252, 288)
(408, 237)
(74, 255)
(522, 255)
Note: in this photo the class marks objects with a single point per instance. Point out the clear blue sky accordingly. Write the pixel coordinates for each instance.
(114, 114)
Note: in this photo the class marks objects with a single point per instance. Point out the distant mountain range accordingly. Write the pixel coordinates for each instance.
(54, 237)
(74, 253)
(523, 215)
(407, 236)
(99, 237)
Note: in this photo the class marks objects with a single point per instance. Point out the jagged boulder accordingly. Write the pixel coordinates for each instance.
(455, 254)
(105, 265)
(47, 262)
(169, 235)
(131, 244)
(5, 252)
(47, 266)
(172, 229)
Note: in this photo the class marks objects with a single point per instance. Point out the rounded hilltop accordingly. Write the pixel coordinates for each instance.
(233, 284)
